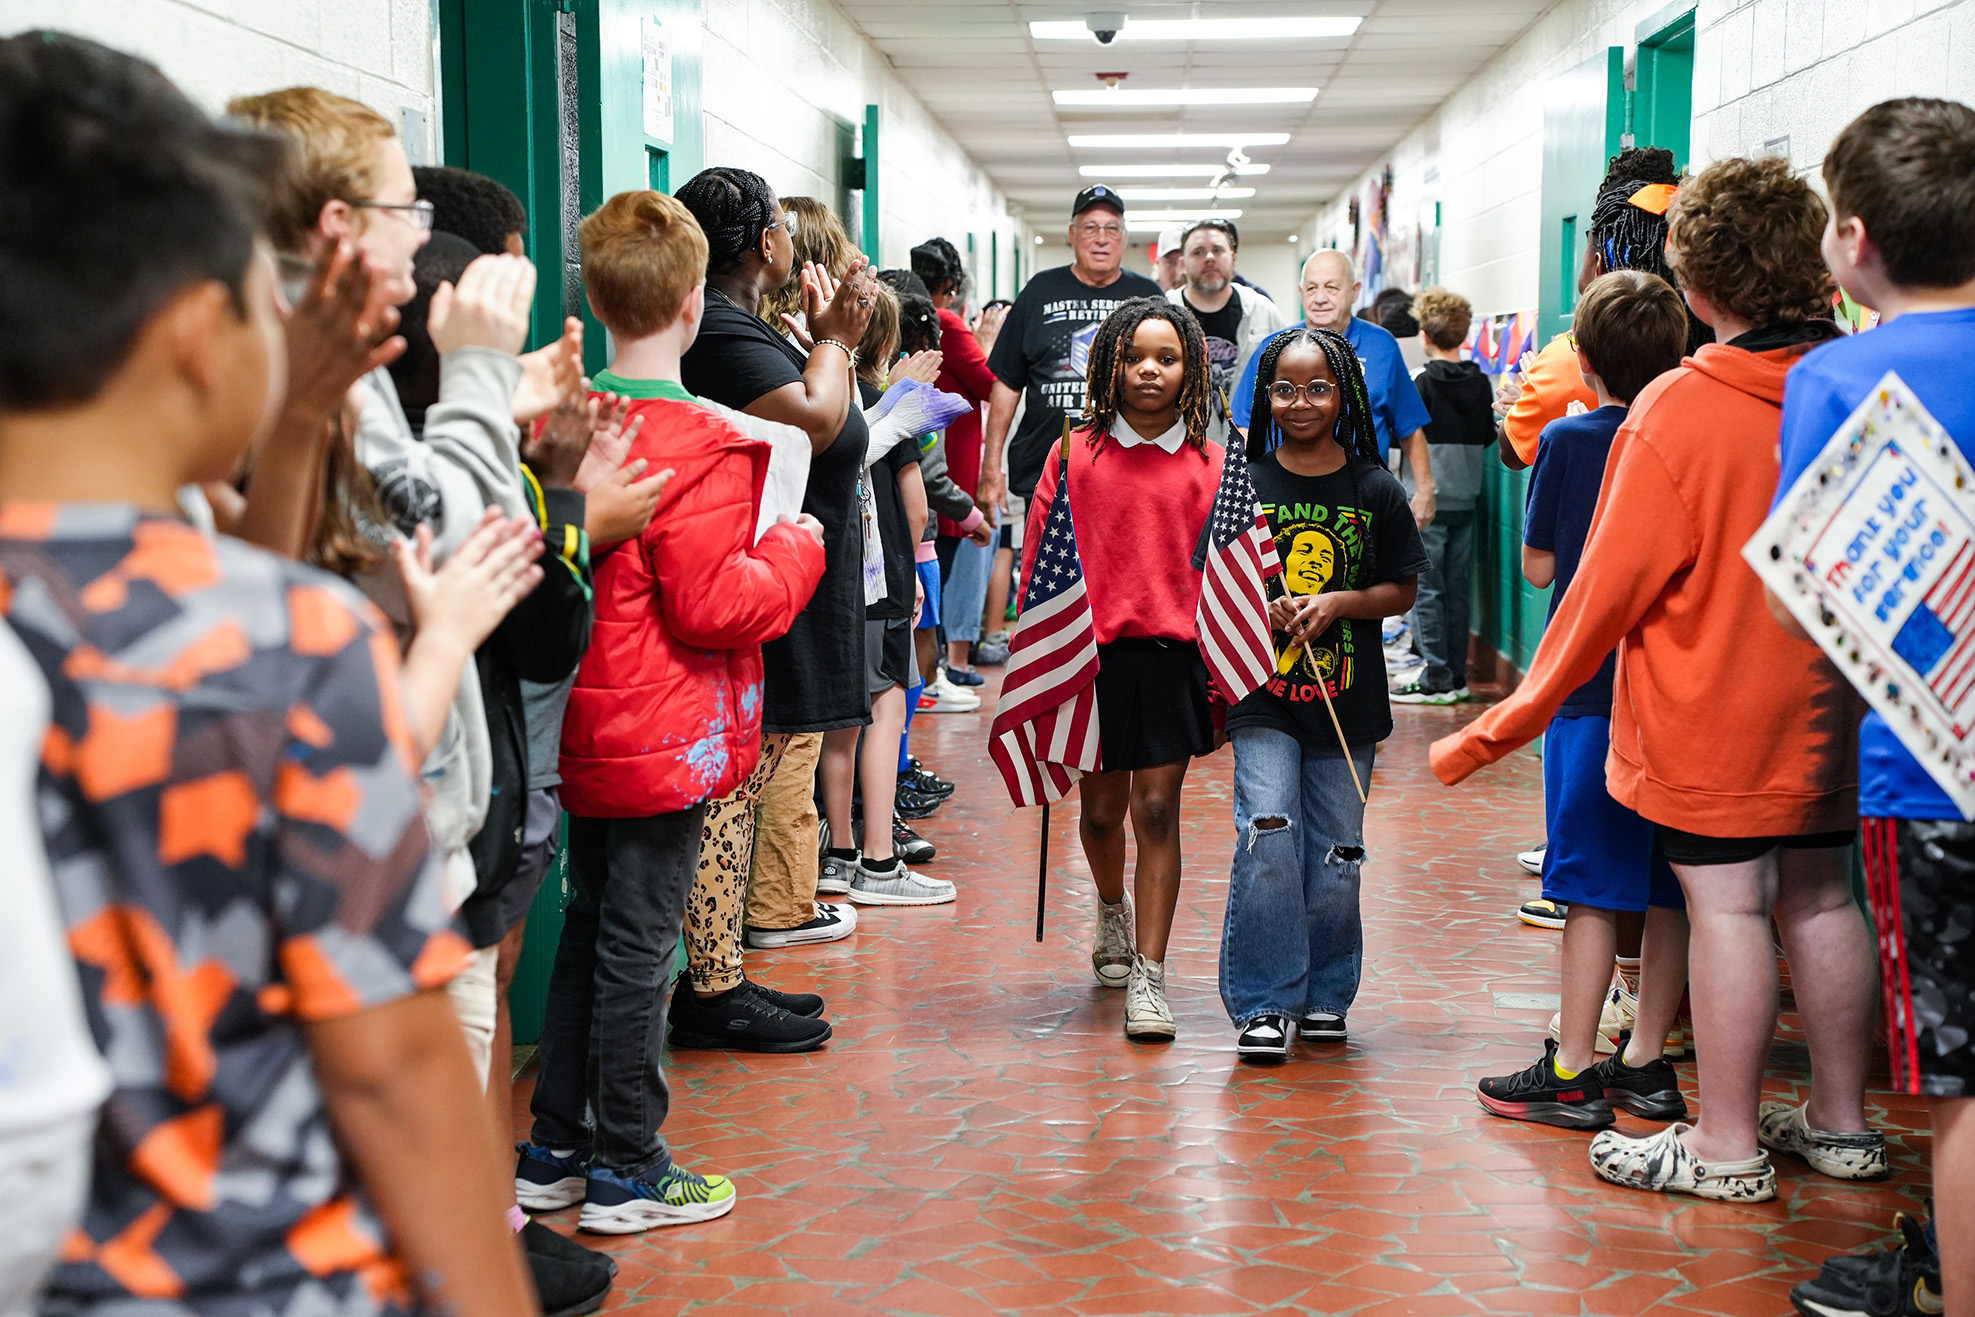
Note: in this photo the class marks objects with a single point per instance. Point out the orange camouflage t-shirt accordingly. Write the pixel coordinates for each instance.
(231, 808)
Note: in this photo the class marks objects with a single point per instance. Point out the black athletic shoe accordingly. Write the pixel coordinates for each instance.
(1538, 1094)
(1264, 1041)
(1322, 1027)
(1898, 1282)
(806, 1004)
(570, 1280)
(1651, 1090)
(909, 845)
(910, 804)
(740, 1020)
(925, 782)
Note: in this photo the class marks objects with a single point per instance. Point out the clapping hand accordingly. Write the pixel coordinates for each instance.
(550, 376)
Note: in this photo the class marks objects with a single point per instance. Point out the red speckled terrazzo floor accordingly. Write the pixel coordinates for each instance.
(981, 1138)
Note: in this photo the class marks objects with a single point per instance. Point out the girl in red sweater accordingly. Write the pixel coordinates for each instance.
(1146, 475)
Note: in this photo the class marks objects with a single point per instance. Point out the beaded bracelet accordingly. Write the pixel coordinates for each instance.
(848, 350)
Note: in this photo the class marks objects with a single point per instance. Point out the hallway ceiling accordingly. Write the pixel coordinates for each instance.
(976, 67)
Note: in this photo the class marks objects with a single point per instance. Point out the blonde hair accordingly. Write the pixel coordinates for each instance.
(1444, 317)
(880, 343)
(336, 157)
(643, 252)
(819, 237)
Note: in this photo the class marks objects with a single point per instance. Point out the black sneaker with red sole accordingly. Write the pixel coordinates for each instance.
(1539, 1094)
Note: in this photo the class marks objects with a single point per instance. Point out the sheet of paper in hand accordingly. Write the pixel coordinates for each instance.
(1873, 550)
(788, 464)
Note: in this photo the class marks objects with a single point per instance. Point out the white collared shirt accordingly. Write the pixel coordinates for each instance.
(1127, 437)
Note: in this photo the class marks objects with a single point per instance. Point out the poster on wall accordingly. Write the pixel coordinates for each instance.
(1873, 551)
(658, 81)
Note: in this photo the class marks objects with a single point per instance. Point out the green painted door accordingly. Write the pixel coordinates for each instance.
(1663, 104)
(1583, 116)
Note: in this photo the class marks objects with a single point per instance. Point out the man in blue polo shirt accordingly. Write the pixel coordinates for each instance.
(1329, 288)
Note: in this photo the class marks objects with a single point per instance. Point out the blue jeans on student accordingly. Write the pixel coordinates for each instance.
(1293, 941)
(965, 592)
(1440, 613)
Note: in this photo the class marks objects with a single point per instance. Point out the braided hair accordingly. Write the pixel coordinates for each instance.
(1354, 430)
(937, 262)
(734, 208)
(1104, 377)
(1628, 238)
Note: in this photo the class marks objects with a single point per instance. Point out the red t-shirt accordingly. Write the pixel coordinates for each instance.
(963, 371)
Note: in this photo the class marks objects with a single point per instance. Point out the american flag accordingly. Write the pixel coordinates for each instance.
(1950, 606)
(1234, 597)
(1045, 726)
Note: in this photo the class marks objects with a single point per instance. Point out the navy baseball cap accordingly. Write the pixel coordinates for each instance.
(1097, 196)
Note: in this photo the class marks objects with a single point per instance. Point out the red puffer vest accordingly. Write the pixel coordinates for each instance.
(666, 711)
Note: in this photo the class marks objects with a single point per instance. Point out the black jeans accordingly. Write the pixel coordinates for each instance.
(600, 1086)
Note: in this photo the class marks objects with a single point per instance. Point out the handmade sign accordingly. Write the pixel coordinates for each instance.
(1873, 551)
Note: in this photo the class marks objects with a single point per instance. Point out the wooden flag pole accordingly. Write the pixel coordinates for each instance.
(1042, 869)
(1283, 665)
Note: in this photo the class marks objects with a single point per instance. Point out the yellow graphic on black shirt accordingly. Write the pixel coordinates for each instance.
(1322, 548)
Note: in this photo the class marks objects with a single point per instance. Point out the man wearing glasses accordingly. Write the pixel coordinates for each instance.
(1330, 288)
(1235, 317)
(1033, 353)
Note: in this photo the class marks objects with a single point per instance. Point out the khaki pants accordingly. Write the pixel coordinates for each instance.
(726, 853)
(474, 1001)
(782, 887)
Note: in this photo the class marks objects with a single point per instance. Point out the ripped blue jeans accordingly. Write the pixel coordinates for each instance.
(1293, 942)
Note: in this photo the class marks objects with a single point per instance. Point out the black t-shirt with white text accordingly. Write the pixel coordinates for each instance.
(1223, 331)
(1055, 317)
(1349, 530)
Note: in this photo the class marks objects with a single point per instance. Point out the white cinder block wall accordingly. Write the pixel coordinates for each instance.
(375, 51)
(778, 77)
(1763, 69)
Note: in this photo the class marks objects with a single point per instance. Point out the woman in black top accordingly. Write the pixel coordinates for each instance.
(813, 676)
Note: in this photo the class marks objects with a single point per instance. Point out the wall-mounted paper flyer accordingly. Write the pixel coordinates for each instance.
(1873, 551)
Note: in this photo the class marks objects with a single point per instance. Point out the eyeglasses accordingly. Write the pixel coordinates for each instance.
(786, 224)
(419, 213)
(1100, 231)
(1317, 391)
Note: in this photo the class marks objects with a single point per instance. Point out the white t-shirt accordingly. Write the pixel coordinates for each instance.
(50, 1069)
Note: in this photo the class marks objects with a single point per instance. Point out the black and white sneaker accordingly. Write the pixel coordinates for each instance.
(832, 923)
(911, 804)
(1263, 1040)
(1322, 1027)
(741, 1021)
(923, 780)
(1651, 1090)
(909, 845)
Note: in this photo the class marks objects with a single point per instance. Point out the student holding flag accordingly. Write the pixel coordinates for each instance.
(1144, 473)
(1321, 548)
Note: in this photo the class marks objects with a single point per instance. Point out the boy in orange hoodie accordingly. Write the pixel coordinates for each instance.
(1736, 739)
(665, 715)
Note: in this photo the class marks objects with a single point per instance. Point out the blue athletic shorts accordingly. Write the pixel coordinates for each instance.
(929, 578)
(1601, 854)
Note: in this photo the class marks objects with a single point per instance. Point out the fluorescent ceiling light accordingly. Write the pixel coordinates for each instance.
(1184, 193)
(1183, 214)
(1166, 141)
(1201, 29)
(1166, 171)
(1118, 98)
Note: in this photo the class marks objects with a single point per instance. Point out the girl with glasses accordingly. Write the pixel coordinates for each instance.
(1292, 945)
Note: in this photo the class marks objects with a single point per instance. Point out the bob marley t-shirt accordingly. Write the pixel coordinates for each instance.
(1349, 530)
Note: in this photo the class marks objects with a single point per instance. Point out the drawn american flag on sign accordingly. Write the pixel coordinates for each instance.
(1045, 726)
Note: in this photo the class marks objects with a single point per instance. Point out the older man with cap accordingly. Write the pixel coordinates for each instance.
(1037, 349)
(1235, 318)
(1329, 288)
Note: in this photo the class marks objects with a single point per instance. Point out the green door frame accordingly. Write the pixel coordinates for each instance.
(1662, 109)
